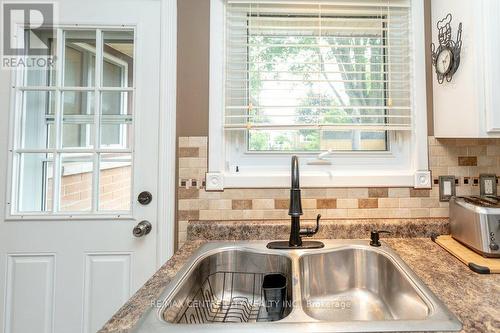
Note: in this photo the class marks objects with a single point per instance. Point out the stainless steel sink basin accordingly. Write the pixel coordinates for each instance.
(358, 284)
(227, 287)
(348, 286)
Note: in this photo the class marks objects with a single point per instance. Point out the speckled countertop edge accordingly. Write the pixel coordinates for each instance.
(330, 229)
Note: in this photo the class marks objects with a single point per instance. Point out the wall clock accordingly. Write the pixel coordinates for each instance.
(446, 58)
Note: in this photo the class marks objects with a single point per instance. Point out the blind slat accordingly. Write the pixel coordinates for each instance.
(260, 46)
(332, 127)
(322, 107)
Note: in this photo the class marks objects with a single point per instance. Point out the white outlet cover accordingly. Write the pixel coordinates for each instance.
(423, 179)
(447, 187)
(214, 181)
(488, 187)
(488, 184)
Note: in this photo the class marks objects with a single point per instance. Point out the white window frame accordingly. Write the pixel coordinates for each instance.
(12, 213)
(405, 164)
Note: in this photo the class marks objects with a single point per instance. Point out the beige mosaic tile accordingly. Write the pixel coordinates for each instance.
(419, 193)
(220, 204)
(467, 160)
(429, 203)
(410, 202)
(347, 203)
(262, 204)
(313, 193)
(183, 226)
(399, 192)
(334, 213)
(419, 212)
(188, 215)
(355, 193)
(439, 212)
(309, 204)
(368, 203)
(183, 141)
(198, 141)
(336, 193)
(210, 214)
(378, 192)
(388, 202)
(188, 193)
(189, 152)
(241, 204)
(326, 203)
(281, 203)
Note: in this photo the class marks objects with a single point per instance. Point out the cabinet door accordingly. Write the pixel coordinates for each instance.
(458, 104)
(492, 66)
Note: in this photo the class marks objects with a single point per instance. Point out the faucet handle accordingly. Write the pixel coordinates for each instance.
(308, 232)
(375, 237)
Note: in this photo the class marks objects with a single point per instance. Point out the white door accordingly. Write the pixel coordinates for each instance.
(81, 143)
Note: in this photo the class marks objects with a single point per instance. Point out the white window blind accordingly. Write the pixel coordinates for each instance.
(320, 65)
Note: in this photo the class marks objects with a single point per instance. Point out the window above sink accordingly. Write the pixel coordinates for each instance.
(345, 79)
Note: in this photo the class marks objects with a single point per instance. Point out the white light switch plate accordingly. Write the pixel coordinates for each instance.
(488, 184)
(446, 188)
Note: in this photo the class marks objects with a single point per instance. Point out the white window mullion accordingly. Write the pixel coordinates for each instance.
(16, 157)
(57, 165)
(95, 182)
(97, 119)
(88, 131)
(123, 111)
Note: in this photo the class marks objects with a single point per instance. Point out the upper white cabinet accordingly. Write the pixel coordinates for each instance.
(469, 105)
(491, 26)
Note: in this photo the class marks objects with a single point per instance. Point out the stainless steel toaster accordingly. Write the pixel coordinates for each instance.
(475, 222)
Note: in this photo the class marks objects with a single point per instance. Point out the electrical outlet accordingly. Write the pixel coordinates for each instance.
(488, 184)
(447, 188)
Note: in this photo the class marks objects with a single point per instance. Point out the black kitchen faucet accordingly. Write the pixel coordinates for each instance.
(295, 211)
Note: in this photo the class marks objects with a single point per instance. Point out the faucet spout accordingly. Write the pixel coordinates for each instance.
(295, 173)
(295, 209)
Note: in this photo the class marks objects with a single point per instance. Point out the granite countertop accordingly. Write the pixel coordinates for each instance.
(474, 298)
(330, 229)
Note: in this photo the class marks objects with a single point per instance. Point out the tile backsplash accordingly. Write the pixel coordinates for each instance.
(463, 158)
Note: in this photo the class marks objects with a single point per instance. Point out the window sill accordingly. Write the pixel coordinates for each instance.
(279, 179)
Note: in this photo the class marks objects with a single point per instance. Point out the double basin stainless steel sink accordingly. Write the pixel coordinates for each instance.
(347, 286)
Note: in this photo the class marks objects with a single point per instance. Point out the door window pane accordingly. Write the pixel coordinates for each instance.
(115, 182)
(76, 182)
(118, 59)
(79, 58)
(38, 120)
(78, 119)
(44, 74)
(116, 119)
(35, 182)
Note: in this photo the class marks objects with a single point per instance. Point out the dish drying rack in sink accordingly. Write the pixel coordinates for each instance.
(226, 297)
